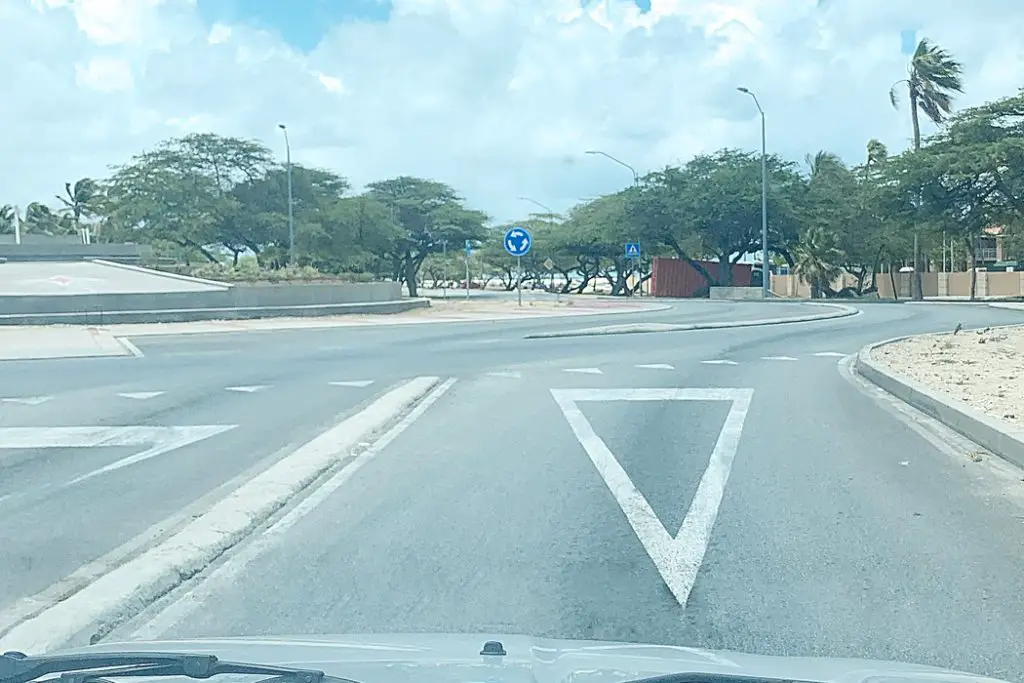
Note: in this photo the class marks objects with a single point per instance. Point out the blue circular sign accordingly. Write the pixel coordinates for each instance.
(518, 241)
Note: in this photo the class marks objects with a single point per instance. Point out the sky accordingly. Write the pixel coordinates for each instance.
(498, 98)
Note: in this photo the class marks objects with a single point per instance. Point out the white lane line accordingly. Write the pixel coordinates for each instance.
(585, 371)
(228, 573)
(655, 366)
(510, 374)
(118, 594)
(777, 358)
(719, 362)
(141, 395)
(27, 400)
(248, 389)
(678, 558)
(353, 383)
(129, 346)
(830, 354)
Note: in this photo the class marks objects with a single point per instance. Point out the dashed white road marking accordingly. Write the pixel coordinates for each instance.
(719, 362)
(352, 383)
(511, 374)
(777, 358)
(678, 558)
(655, 366)
(248, 389)
(830, 354)
(28, 400)
(585, 371)
(141, 395)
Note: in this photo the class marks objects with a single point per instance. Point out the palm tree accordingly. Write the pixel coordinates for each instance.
(818, 260)
(933, 78)
(79, 202)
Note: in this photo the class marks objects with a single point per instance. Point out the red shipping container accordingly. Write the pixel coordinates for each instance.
(676, 278)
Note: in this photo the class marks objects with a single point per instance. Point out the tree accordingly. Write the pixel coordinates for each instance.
(933, 78)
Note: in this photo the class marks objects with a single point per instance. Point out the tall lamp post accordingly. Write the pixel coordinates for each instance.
(636, 182)
(765, 265)
(291, 215)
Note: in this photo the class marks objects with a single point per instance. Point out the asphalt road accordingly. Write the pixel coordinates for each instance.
(840, 531)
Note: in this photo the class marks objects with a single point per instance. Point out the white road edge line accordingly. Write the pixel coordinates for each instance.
(117, 595)
(206, 589)
(677, 559)
(129, 346)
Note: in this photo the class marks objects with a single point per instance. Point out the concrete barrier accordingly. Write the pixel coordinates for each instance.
(1001, 438)
(736, 293)
(242, 301)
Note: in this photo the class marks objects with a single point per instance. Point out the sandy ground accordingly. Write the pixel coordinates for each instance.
(982, 368)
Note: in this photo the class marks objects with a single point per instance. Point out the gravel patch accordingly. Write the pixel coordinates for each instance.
(981, 368)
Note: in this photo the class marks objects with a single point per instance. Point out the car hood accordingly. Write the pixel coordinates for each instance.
(451, 658)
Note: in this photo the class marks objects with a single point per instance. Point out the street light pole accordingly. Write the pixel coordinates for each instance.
(291, 215)
(765, 261)
(636, 182)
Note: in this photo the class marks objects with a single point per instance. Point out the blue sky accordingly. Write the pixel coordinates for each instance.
(302, 23)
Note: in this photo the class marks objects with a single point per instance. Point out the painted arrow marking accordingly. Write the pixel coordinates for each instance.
(352, 383)
(141, 395)
(159, 439)
(28, 400)
(677, 558)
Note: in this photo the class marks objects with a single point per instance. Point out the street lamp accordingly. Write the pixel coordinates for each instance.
(534, 201)
(291, 216)
(765, 268)
(606, 155)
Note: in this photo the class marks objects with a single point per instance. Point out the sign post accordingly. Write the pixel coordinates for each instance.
(633, 253)
(518, 242)
(469, 252)
(444, 265)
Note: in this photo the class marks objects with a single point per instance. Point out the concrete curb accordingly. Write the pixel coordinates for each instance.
(126, 590)
(160, 273)
(1003, 439)
(645, 328)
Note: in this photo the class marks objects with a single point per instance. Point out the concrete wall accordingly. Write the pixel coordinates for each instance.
(62, 251)
(239, 302)
(736, 293)
(954, 285)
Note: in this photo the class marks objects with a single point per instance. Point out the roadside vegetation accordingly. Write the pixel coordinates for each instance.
(217, 207)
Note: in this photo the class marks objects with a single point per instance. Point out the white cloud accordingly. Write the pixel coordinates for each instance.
(500, 98)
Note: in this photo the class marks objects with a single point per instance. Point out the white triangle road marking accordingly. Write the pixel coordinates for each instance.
(655, 366)
(28, 400)
(677, 558)
(248, 389)
(511, 374)
(777, 358)
(585, 371)
(141, 395)
(830, 354)
(352, 383)
(719, 362)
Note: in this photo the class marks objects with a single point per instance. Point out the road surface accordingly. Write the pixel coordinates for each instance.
(839, 530)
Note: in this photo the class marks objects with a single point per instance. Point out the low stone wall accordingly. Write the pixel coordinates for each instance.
(242, 301)
(736, 293)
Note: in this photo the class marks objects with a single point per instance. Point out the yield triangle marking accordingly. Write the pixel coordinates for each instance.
(28, 400)
(830, 354)
(585, 371)
(141, 395)
(677, 558)
(159, 439)
(249, 389)
(777, 358)
(719, 362)
(656, 366)
(352, 383)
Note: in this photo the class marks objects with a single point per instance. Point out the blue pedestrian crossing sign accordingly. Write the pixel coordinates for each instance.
(632, 250)
(518, 241)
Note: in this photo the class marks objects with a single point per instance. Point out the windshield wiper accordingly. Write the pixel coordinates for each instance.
(100, 667)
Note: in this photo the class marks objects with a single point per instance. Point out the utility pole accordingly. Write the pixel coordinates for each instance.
(291, 215)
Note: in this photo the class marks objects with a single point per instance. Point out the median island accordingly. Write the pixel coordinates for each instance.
(983, 369)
